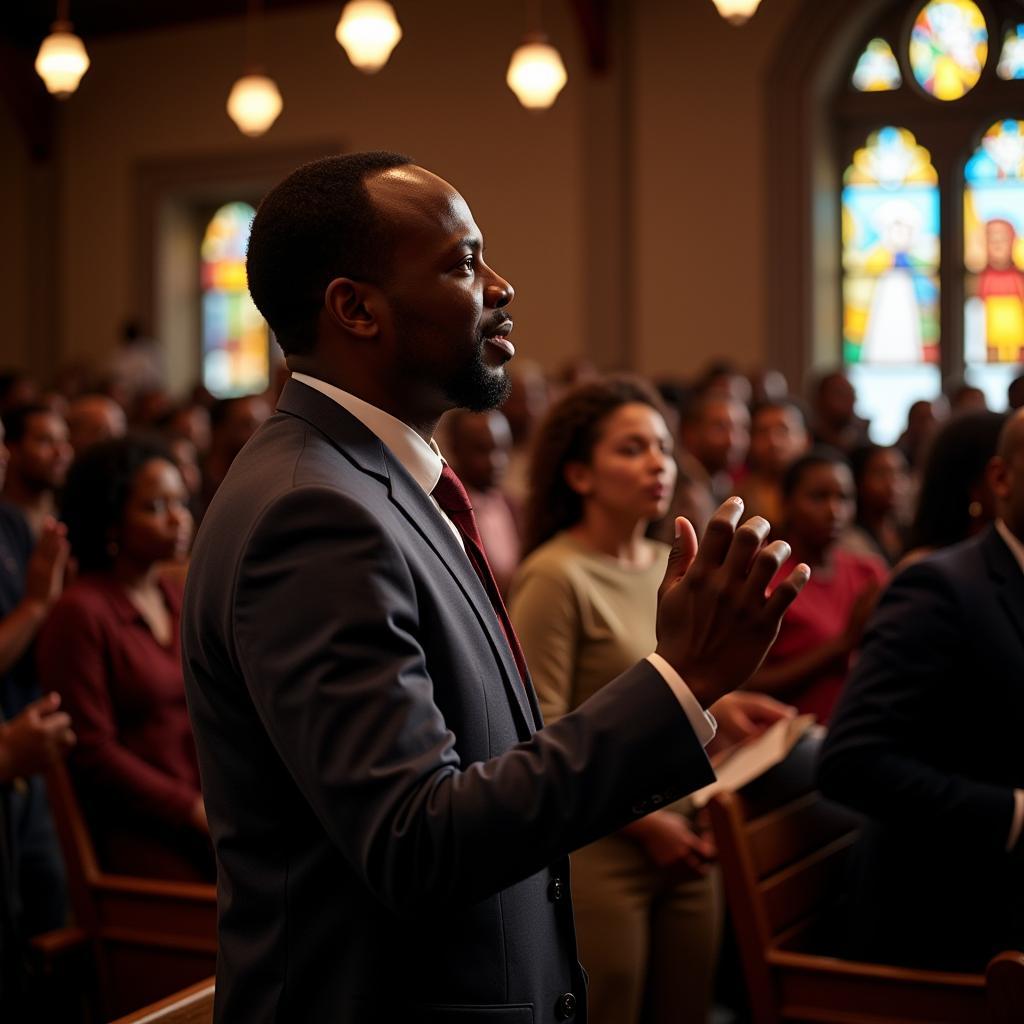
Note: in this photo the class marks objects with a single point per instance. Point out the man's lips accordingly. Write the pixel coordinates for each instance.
(499, 338)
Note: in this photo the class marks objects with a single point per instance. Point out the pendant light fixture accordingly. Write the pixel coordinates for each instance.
(536, 73)
(368, 31)
(254, 102)
(736, 12)
(62, 59)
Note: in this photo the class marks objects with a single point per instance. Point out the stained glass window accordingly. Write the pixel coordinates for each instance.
(948, 47)
(890, 209)
(994, 247)
(236, 358)
(877, 69)
(1011, 60)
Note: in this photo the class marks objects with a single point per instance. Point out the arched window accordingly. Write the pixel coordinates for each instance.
(932, 204)
(235, 338)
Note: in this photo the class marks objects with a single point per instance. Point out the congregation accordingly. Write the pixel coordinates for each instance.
(575, 482)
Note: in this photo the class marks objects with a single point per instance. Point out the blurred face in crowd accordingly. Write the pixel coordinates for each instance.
(836, 400)
(42, 457)
(193, 422)
(241, 421)
(186, 458)
(94, 418)
(631, 473)
(777, 438)
(157, 524)
(885, 483)
(723, 434)
(821, 506)
(480, 443)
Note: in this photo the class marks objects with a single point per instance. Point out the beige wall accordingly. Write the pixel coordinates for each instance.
(630, 217)
(15, 170)
(699, 153)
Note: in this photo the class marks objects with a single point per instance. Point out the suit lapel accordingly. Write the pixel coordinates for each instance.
(369, 454)
(425, 519)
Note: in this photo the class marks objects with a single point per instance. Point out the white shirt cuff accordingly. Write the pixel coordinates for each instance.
(703, 722)
(1018, 819)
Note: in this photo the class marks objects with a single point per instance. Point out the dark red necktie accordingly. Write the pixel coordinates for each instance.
(453, 499)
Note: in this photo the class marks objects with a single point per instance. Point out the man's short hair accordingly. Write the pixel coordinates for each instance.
(316, 225)
(16, 422)
(786, 404)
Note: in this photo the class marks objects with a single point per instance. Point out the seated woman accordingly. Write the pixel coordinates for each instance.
(111, 649)
(809, 661)
(883, 490)
(584, 606)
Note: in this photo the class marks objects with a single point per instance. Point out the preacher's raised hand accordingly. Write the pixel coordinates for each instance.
(715, 621)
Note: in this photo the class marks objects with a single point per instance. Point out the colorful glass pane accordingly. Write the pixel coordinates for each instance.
(877, 70)
(994, 247)
(948, 47)
(1011, 60)
(236, 357)
(890, 211)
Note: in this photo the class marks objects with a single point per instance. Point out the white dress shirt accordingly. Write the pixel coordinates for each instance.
(423, 462)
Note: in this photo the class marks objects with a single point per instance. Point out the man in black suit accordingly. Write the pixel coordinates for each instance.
(391, 823)
(927, 741)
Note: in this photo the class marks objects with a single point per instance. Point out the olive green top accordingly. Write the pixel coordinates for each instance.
(583, 618)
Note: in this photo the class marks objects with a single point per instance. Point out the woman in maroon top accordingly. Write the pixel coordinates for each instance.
(111, 648)
(809, 661)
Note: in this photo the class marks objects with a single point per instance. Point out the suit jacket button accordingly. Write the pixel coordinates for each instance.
(566, 1006)
(556, 890)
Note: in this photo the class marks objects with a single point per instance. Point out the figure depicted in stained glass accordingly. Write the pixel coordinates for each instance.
(1001, 288)
(948, 47)
(994, 246)
(891, 252)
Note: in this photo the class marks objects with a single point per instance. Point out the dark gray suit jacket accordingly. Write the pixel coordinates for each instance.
(928, 741)
(391, 827)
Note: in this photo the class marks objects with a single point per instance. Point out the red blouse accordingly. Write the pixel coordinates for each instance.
(125, 693)
(820, 613)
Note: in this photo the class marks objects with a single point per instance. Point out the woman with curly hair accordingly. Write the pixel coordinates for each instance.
(111, 648)
(584, 606)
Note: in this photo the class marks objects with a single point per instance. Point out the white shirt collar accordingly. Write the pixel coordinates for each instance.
(421, 459)
(1013, 543)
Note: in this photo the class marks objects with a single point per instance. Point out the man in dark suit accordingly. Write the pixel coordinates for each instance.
(927, 741)
(391, 823)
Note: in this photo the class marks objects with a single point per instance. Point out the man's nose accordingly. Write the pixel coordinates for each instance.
(499, 292)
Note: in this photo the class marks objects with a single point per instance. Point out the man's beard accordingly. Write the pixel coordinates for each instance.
(474, 385)
(477, 386)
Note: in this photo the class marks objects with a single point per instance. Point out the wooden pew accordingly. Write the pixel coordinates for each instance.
(1004, 981)
(193, 1006)
(782, 849)
(148, 937)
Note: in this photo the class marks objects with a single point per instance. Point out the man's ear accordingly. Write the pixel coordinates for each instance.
(351, 305)
(997, 475)
(578, 476)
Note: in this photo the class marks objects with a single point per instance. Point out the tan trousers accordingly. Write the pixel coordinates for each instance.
(644, 939)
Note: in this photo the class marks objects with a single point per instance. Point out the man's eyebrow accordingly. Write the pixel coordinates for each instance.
(473, 242)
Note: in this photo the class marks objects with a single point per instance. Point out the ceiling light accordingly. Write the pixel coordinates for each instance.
(62, 59)
(536, 73)
(736, 12)
(368, 31)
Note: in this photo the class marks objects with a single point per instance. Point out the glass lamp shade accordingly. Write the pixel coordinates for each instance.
(62, 61)
(254, 103)
(536, 73)
(736, 12)
(368, 31)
